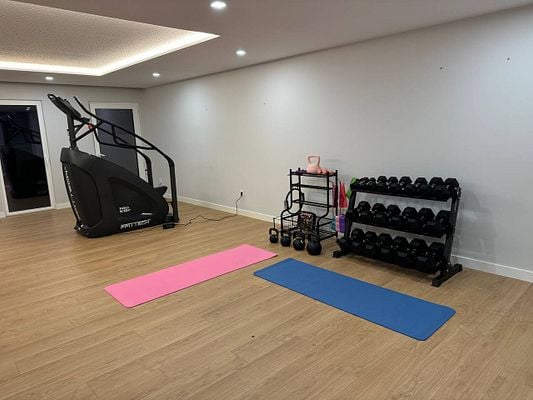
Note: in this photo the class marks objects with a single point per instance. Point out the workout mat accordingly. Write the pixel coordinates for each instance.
(405, 314)
(148, 287)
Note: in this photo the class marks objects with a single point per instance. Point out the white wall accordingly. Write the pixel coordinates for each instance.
(379, 107)
(56, 123)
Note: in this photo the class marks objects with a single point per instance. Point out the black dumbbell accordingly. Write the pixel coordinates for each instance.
(357, 238)
(344, 243)
(393, 185)
(364, 213)
(416, 224)
(421, 185)
(404, 181)
(385, 247)
(359, 183)
(397, 219)
(380, 215)
(370, 184)
(409, 216)
(418, 246)
(381, 184)
(403, 256)
(370, 246)
(452, 185)
(432, 259)
(435, 185)
(439, 225)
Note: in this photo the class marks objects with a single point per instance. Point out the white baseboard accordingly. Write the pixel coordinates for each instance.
(59, 206)
(498, 269)
(214, 206)
(2, 214)
(484, 266)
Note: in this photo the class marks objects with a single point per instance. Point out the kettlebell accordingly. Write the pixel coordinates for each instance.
(314, 248)
(299, 241)
(274, 235)
(285, 238)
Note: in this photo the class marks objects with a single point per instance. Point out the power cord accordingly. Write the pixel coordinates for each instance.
(214, 219)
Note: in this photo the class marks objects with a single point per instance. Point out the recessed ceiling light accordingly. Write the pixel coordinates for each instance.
(241, 52)
(49, 78)
(156, 74)
(218, 5)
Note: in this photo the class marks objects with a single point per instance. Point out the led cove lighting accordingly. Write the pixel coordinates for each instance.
(147, 41)
(240, 52)
(49, 78)
(218, 5)
(156, 74)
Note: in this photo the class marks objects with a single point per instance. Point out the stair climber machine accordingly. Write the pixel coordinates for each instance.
(105, 197)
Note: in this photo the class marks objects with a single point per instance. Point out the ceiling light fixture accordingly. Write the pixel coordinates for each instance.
(218, 5)
(240, 52)
(49, 78)
(156, 74)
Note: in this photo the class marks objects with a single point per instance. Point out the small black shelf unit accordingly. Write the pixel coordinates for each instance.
(445, 270)
(325, 209)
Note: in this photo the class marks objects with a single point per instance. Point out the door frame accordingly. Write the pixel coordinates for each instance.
(134, 107)
(46, 157)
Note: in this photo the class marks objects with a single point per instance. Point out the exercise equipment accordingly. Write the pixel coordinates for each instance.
(314, 167)
(415, 254)
(273, 235)
(405, 314)
(285, 238)
(105, 197)
(151, 286)
(314, 247)
(439, 226)
(298, 242)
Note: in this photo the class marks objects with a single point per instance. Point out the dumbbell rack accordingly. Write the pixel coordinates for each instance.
(288, 221)
(448, 269)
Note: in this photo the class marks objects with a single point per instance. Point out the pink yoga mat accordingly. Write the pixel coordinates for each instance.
(151, 286)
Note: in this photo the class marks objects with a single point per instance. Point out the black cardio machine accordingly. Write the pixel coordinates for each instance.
(105, 197)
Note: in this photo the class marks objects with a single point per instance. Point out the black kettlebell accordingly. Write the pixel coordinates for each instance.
(314, 248)
(274, 235)
(285, 238)
(299, 241)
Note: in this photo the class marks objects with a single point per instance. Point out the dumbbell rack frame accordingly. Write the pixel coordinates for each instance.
(449, 269)
(288, 221)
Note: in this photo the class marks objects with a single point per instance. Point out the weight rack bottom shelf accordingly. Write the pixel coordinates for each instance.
(444, 269)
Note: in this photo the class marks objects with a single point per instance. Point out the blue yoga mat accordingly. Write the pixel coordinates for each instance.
(405, 314)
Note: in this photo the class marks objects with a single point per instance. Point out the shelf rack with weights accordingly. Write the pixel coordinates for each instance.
(416, 254)
(323, 208)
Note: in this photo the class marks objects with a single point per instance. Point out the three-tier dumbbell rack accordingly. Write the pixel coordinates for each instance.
(447, 270)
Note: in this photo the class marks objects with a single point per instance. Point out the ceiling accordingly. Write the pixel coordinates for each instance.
(267, 29)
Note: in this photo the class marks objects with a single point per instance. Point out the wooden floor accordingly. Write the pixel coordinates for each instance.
(237, 336)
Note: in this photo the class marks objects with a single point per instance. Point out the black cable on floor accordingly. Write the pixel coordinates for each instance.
(213, 219)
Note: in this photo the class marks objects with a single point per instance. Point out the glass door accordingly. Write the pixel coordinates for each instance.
(25, 176)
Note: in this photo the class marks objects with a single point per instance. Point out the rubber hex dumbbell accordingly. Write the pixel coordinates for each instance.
(435, 183)
(397, 220)
(412, 222)
(381, 184)
(359, 183)
(452, 185)
(404, 181)
(385, 247)
(393, 211)
(403, 255)
(364, 213)
(370, 246)
(439, 226)
(393, 185)
(370, 184)
(357, 238)
(416, 225)
(381, 217)
(432, 259)
(378, 210)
